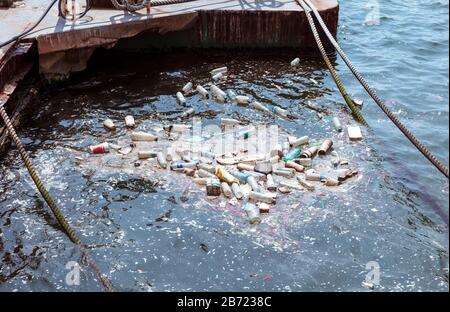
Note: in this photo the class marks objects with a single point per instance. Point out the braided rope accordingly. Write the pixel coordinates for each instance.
(51, 203)
(419, 145)
(355, 110)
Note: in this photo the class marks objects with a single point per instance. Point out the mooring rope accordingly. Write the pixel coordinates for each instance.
(355, 110)
(51, 203)
(419, 145)
(136, 5)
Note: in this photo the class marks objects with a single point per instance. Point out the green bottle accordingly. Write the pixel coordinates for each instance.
(295, 153)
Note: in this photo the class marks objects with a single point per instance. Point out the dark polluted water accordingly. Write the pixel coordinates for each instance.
(145, 237)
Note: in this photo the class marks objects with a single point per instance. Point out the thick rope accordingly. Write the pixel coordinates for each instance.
(355, 110)
(51, 203)
(432, 158)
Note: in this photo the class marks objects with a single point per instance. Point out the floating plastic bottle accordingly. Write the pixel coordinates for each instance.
(187, 88)
(129, 121)
(299, 141)
(264, 167)
(263, 197)
(305, 162)
(177, 128)
(242, 100)
(143, 136)
(253, 184)
(281, 112)
(229, 122)
(271, 186)
(109, 124)
(225, 176)
(297, 167)
(226, 190)
(309, 153)
(252, 212)
(169, 154)
(284, 172)
(180, 97)
(205, 174)
(161, 160)
(201, 181)
(188, 112)
(202, 91)
(337, 124)
(325, 147)
(314, 177)
(235, 187)
(147, 154)
(182, 165)
(295, 62)
(206, 167)
(242, 166)
(218, 93)
(241, 176)
(295, 153)
(219, 70)
(218, 76)
(305, 184)
(260, 107)
(232, 95)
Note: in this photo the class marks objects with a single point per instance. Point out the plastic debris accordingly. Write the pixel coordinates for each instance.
(295, 153)
(305, 184)
(187, 88)
(147, 154)
(242, 100)
(270, 184)
(281, 112)
(354, 133)
(297, 167)
(161, 160)
(219, 70)
(213, 188)
(260, 107)
(218, 93)
(235, 187)
(143, 136)
(225, 176)
(325, 147)
(263, 197)
(226, 190)
(337, 124)
(231, 95)
(264, 167)
(129, 121)
(295, 62)
(229, 122)
(309, 153)
(358, 102)
(180, 98)
(100, 148)
(109, 124)
(294, 142)
(252, 212)
(202, 91)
